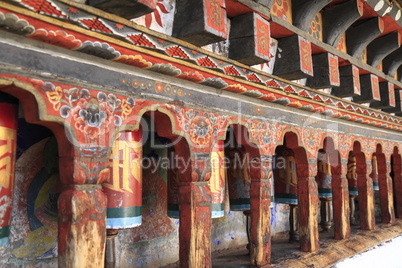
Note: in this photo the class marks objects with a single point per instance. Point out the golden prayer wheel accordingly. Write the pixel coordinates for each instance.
(217, 181)
(324, 176)
(8, 143)
(285, 177)
(124, 187)
(374, 174)
(351, 175)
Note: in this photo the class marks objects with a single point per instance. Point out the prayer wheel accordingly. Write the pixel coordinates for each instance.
(217, 181)
(285, 177)
(351, 175)
(8, 143)
(173, 180)
(238, 175)
(324, 176)
(124, 187)
(374, 174)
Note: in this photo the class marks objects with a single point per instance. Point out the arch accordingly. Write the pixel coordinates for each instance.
(385, 185)
(365, 189)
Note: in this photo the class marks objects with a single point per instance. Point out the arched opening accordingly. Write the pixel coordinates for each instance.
(158, 159)
(351, 175)
(328, 168)
(236, 220)
(385, 188)
(364, 189)
(290, 167)
(29, 160)
(396, 175)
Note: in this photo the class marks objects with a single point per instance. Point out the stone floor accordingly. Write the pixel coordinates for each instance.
(287, 255)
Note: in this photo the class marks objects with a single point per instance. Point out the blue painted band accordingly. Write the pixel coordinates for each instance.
(122, 223)
(286, 200)
(238, 207)
(3, 241)
(175, 214)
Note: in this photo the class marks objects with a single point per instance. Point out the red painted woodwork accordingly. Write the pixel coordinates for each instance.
(8, 147)
(396, 175)
(307, 214)
(260, 191)
(341, 211)
(123, 188)
(195, 225)
(82, 225)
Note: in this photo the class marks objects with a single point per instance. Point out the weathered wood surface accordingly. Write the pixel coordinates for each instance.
(387, 94)
(293, 58)
(341, 211)
(370, 89)
(382, 47)
(339, 18)
(308, 210)
(349, 82)
(304, 11)
(326, 71)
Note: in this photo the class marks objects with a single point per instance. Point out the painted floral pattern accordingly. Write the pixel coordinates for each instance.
(89, 115)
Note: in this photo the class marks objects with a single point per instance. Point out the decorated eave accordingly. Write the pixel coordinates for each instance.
(89, 30)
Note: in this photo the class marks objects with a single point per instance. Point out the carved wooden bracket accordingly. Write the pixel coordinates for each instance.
(387, 92)
(398, 107)
(326, 71)
(249, 39)
(293, 58)
(358, 37)
(370, 89)
(381, 47)
(339, 18)
(349, 82)
(304, 12)
(391, 63)
(200, 22)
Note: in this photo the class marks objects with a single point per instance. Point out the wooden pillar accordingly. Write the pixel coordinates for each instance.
(308, 210)
(82, 212)
(260, 190)
(366, 202)
(195, 215)
(397, 182)
(340, 200)
(386, 199)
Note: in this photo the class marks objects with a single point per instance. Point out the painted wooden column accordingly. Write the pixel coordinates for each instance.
(307, 192)
(195, 213)
(340, 200)
(260, 191)
(386, 191)
(8, 148)
(397, 182)
(366, 194)
(82, 210)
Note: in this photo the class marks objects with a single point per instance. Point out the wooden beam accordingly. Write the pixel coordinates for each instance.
(293, 58)
(349, 82)
(378, 49)
(249, 39)
(339, 18)
(391, 63)
(200, 22)
(370, 89)
(304, 12)
(358, 37)
(326, 71)
(398, 107)
(128, 9)
(387, 93)
(267, 3)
